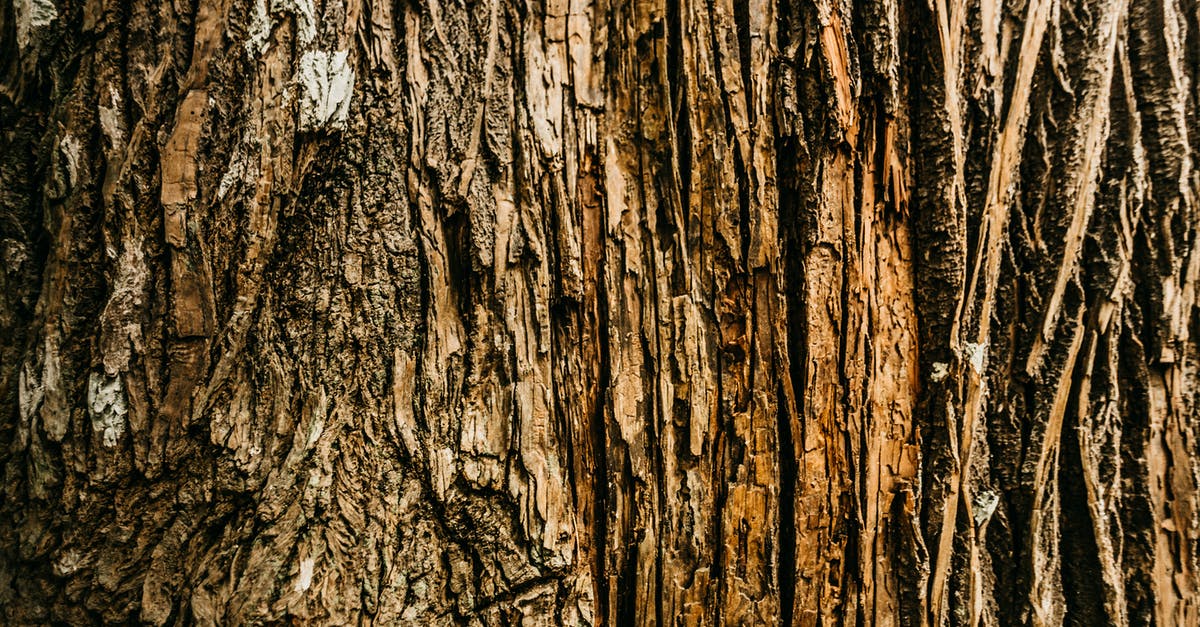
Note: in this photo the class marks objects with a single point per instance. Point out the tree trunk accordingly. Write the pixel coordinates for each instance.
(695, 312)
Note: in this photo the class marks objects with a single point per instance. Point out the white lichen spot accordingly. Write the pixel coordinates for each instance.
(306, 22)
(51, 385)
(234, 175)
(977, 356)
(258, 35)
(326, 83)
(29, 393)
(107, 405)
(941, 370)
(71, 151)
(260, 29)
(306, 573)
(984, 505)
(32, 15)
(68, 562)
(314, 432)
(110, 118)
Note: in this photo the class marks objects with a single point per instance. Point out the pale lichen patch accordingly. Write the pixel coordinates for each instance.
(314, 433)
(306, 573)
(72, 152)
(984, 505)
(941, 370)
(46, 395)
(68, 562)
(259, 32)
(107, 406)
(29, 393)
(233, 176)
(32, 15)
(306, 21)
(977, 356)
(326, 84)
(111, 123)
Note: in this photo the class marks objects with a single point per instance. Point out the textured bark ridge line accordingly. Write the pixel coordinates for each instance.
(578, 312)
(971, 347)
(1077, 198)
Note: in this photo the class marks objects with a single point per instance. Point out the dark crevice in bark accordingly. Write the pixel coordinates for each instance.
(1137, 514)
(741, 17)
(721, 448)
(938, 244)
(785, 575)
(658, 567)
(793, 270)
(1082, 588)
(679, 105)
(718, 71)
(627, 580)
(851, 269)
(599, 441)
(514, 591)
(654, 441)
(743, 213)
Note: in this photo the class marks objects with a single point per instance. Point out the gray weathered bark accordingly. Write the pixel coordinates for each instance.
(589, 312)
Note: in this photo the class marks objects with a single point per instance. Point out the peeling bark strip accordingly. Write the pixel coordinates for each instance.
(599, 313)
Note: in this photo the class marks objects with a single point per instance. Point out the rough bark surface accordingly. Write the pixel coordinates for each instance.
(586, 312)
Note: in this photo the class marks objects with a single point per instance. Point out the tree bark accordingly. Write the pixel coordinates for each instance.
(599, 313)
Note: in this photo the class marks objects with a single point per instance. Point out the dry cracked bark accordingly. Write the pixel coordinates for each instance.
(599, 313)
